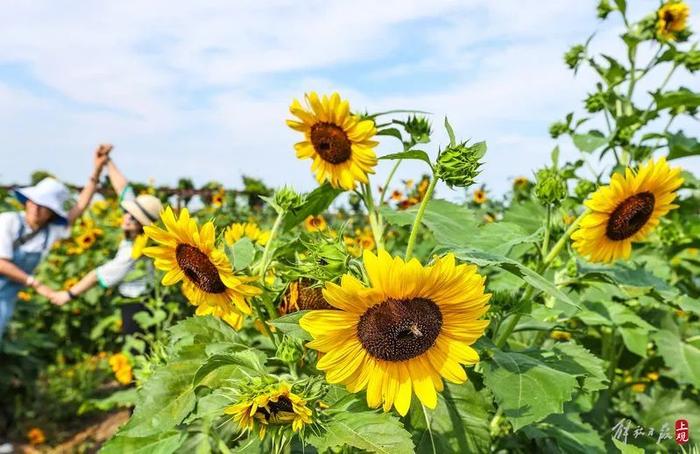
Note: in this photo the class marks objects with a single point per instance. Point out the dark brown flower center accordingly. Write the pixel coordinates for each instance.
(630, 216)
(199, 269)
(273, 409)
(398, 330)
(331, 142)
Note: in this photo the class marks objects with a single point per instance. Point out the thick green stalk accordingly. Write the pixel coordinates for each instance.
(375, 221)
(419, 218)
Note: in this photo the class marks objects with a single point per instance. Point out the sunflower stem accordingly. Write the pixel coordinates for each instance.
(428, 424)
(388, 181)
(501, 338)
(547, 231)
(375, 221)
(419, 218)
(268, 247)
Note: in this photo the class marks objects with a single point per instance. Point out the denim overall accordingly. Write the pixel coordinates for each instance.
(27, 262)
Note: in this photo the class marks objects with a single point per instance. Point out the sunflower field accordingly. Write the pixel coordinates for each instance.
(375, 316)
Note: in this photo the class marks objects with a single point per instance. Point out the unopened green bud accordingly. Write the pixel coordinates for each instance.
(603, 9)
(419, 128)
(287, 199)
(595, 102)
(458, 165)
(574, 56)
(583, 188)
(550, 188)
(290, 350)
(558, 128)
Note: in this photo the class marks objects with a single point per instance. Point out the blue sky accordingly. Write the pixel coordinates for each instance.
(201, 89)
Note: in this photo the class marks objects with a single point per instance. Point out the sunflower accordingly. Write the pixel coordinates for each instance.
(301, 296)
(626, 210)
(413, 326)
(271, 407)
(36, 436)
(70, 283)
(315, 223)
(122, 368)
(187, 253)
(479, 196)
(24, 296)
(86, 240)
(339, 143)
(217, 199)
(520, 182)
(672, 19)
(249, 230)
(396, 195)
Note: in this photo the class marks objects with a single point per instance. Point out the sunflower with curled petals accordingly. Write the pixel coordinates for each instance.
(189, 254)
(339, 143)
(412, 327)
(275, 407)
(626, 210)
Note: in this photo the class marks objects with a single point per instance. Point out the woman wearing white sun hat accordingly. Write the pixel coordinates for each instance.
(123, 270)
(27, 236)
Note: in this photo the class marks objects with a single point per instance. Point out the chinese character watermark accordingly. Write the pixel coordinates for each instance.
(623, 429)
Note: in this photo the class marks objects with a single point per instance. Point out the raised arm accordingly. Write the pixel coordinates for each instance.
(101, 157)
(118, 180)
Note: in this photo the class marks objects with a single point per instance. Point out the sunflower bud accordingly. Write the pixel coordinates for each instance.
(458, 165)
(550, 188)
(285, 199)
(603, 9)
(419, 128)
(595, 102)
(558, 128)
(583, 188)
(574, 56)
(290, 350)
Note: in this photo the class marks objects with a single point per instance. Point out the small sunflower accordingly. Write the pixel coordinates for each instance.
(187, 253)
(217, 199)
(339, 143)
(479, 196)
(86, 240)
(413, 326)
(315, 223)
(36, 436)
(121, 366)
(249, 230)
(520, 182)
(626, 211)
(396, 195)
(24, 296)
(70, 283)
(301, 296)
(672, 19)
(273, 407)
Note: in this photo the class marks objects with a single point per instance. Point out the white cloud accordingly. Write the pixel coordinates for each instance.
(202, 89)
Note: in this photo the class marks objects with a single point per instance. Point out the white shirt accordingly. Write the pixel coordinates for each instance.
(10, 225)
(117, 270)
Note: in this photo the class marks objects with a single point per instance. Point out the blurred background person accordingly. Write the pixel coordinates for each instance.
(26, 237)
(127, 270)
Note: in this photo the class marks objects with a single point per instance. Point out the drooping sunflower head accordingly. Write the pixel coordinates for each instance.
(626, 211)
(412, 327)
(276, 406)
(339, 143)
(189, 254)
(302, 295)
(672, 18)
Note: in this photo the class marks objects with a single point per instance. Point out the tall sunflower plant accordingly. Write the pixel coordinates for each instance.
(564, 322)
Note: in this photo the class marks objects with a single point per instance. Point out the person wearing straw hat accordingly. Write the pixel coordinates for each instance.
(126, 270)
(27, 236)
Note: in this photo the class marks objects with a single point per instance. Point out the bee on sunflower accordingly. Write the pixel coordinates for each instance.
(626, 211)
(274, 405)
(412, 327)
(339, 143)
(189, 254)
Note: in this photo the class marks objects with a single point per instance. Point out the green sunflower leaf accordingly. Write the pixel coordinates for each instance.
(316, 202)
(165, 442)
(528, 386)
(590, 142)
(569, 432)
(241, 254)
(680, 146)
(289, 325)
(682, 358)
(410, 154)
(368, 431)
